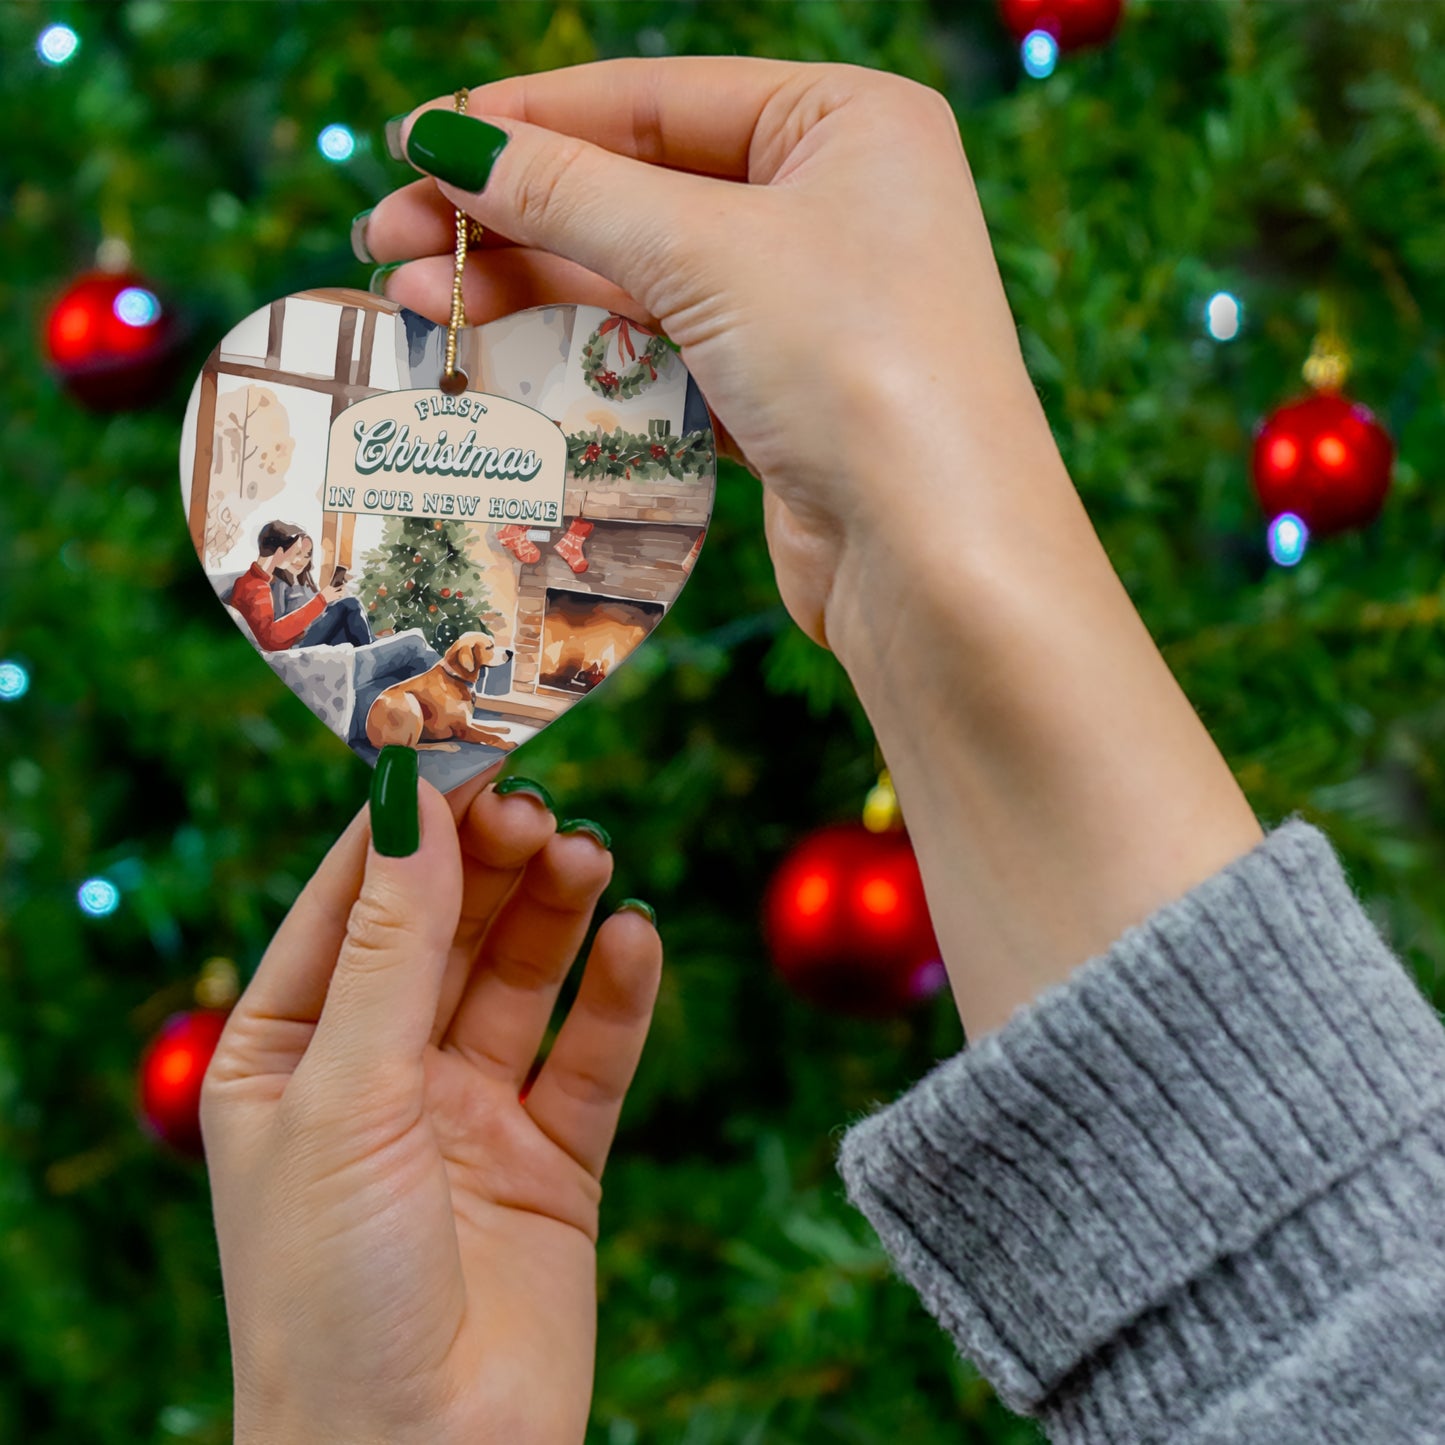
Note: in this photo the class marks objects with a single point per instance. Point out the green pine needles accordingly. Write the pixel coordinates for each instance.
(633, 455)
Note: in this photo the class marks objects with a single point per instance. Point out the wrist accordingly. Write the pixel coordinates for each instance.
(1057, 784)
(946, 525)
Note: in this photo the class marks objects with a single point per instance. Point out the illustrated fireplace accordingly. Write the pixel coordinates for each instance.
(584, 636)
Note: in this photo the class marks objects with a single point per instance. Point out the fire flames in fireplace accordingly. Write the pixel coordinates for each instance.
(584, 637)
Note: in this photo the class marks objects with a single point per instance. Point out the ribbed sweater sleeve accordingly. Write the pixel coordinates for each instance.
(1196, 1192)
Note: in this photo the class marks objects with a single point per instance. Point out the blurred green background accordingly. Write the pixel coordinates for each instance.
(1287, 153)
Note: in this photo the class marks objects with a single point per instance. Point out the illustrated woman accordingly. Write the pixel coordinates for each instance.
(292, 587)
(281, 603)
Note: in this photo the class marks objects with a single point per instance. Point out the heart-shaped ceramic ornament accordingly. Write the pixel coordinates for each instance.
(444, 571)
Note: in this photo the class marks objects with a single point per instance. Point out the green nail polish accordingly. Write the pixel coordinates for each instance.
(377, 284)
(393, 136)
(526, 785)
(586, 825)
(358, 237)
(636, 905)
(395, 821)
(455, 148)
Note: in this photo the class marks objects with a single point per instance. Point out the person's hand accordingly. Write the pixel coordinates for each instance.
(811, 237)
(842, 312)
(407, 1247)
(333, 594)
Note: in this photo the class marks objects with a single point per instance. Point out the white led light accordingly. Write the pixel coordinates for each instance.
(57, 44)
(336, 143)
(137, 307)
(1223, 316)
(1040, 53)
(14, 681)
(1288, 537)
(98, 897)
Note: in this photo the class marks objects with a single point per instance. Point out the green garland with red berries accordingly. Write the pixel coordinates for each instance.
(633, 455)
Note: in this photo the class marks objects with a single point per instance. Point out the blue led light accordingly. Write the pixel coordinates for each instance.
(1040, 53)
(14, 681)
(1223, 316)
(98, 897)
(137, 307)
(1288, 537)
(336, 143)
(57, 44)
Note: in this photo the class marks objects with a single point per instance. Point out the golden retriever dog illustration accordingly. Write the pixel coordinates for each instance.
(430, 710)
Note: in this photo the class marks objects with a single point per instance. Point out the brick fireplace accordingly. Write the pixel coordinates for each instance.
(572, 628)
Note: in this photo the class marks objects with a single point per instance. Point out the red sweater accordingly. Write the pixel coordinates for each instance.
(251, 597)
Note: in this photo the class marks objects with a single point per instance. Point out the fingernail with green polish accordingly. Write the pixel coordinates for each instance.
(636, 905)
(455, 148)
(586, 825)
(393, 136)
(377, 284)
(358, 237)
(395, 820)
(526, 785)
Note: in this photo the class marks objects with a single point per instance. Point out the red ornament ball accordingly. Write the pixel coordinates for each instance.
(381, 591)
(417, 557)
(171, 1071)
(1324, 458)
(1073, 23)
(432, 608)
(446, 591)
(111, 341)
(847, 923)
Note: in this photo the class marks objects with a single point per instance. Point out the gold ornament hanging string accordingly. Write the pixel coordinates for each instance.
(468, 230)
(1328, 366)
(881, 813)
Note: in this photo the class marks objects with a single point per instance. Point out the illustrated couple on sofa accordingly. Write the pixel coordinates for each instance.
(395, 689)
(281, 602)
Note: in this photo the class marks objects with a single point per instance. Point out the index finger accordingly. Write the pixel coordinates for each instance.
(696, 113)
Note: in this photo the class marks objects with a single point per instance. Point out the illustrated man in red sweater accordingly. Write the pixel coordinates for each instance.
(328, 617)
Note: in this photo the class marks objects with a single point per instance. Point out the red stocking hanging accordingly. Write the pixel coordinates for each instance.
(569, 547)
(514, 539)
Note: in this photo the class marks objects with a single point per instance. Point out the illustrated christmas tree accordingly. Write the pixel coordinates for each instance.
(422, 576)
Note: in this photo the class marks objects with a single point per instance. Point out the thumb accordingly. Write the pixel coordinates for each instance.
(382, 1000)
(633, 223)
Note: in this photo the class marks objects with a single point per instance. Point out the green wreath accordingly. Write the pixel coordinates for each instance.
(640, 375)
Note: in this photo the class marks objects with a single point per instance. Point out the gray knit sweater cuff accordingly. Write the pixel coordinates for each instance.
(1131, 1192)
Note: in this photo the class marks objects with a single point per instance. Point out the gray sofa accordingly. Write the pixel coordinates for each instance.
(340, 682)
